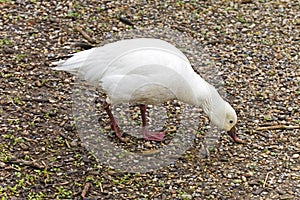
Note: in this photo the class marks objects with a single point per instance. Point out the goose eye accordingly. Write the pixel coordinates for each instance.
(230, 121)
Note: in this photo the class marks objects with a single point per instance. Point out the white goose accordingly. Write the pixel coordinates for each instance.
(148, 71)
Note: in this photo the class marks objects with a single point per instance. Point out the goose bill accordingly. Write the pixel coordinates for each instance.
(232, 133)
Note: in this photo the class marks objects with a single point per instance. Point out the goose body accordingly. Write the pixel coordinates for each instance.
(148, 71)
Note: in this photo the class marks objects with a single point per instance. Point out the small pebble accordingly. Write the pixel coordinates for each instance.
(244, 179)
(74, 143)
(148, 144)
(186, 196)
(295, 156)
(2, 164)
(258, 191)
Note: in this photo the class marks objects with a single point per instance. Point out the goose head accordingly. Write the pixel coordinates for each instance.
(225, 118)
(221, 114)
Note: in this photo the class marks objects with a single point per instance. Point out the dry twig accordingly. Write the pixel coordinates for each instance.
(276, 127)
(85, 190)
(266, 179)
(126, 21)
(26, 163)
(101, 188)
(85, 35)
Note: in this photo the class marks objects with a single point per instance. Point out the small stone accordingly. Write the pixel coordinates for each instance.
(250, 173)
(253, 182)
(244, 179)
(24, 146)
(38, 83)
(296, 155)
(229, 176)
(244, 30)
(252, 26)
(111, 172)
(258, 191)
(74, 143)
(52, 101)
(68, 127)
(186, 196)
(237, 181)
(2, 164)
(148, 144)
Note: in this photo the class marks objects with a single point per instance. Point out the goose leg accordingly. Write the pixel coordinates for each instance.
(148, 135)
(113, 123)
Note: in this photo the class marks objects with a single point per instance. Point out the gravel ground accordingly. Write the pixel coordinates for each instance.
(255, 43)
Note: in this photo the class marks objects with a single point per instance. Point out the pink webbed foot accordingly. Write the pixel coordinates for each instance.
(153, 136)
